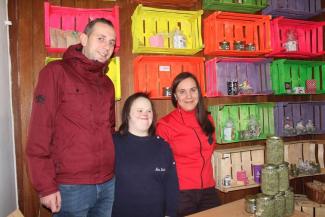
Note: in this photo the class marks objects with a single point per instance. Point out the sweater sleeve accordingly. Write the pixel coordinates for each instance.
(163, 131)
(171, 185)
(38, 150)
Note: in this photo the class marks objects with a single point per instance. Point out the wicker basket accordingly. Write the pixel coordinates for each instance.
(316, 191)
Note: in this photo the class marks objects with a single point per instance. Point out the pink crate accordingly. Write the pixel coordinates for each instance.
(75, 19)
(307, 34)
(254, 70)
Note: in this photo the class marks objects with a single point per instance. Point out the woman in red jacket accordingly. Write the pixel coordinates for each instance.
(190, 132)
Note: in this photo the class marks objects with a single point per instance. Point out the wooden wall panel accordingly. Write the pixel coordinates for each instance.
(28, 54)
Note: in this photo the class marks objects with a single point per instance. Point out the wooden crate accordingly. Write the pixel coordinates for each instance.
(75, 19)
(297, 111)
(311, 150)
(254, 70)
(148, 22)
(229, 161)
(225, 26)
(313, 209)
(241, 6)
(168, 3)
(297, 72)
(114, 73)
(308, 34)
(296, 9)
(240, 115)
(152, 73)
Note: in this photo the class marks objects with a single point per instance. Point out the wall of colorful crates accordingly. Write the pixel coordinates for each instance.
(251, 47)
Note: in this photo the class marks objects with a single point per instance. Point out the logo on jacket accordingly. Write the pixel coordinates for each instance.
(160, 169)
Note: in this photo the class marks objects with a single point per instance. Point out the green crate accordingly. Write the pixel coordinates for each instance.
(242, 6)
(240, 114)
(297, 72)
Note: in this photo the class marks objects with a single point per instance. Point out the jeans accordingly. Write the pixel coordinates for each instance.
(87, 200)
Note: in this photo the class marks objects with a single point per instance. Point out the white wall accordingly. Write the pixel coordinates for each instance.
(8, 186)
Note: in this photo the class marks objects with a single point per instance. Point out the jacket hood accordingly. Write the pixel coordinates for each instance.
(74, 56)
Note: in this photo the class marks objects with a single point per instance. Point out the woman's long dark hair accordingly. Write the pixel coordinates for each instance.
(124, 128)
(201, 112)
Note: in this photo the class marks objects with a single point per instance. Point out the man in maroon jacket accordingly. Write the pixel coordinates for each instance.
(69, 149)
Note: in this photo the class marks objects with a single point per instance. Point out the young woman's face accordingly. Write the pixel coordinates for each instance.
(187, 94)
(140, 117)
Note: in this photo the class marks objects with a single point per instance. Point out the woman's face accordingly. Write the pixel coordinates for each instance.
(140, 117)
(187, 94)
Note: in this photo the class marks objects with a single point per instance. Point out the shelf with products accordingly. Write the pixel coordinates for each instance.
(298, 9)
(299, 118)
(296, 38)
(154, 74)
(166, 31)
(298, 76)
(241, 6)
(236, 34)
(238, 76)
(63, 25)
(242, 122)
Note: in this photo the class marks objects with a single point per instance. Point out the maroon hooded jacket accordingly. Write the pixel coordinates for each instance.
(71, 125)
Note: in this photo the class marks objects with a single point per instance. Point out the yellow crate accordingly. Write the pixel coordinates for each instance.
(148, 22)
(231, 160)
(113, 73)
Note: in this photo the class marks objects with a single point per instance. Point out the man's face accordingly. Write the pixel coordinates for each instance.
(100, 43)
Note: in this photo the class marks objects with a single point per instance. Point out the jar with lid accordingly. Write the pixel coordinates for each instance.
(264, 205)
(239, 45)
(274, 150)
(250, 204)
(283, 172)
(224, 45)
(280, 205)
(270, 179)
(290, 202)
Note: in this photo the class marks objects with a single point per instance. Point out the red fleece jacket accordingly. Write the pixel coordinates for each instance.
(190, 147)
(73, 116)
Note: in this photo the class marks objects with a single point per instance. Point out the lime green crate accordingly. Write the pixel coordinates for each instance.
(153, 30)
(296, 72)
(242, 6)
(113, 73)
(240, 114)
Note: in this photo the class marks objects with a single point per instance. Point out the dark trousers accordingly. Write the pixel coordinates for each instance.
(197, 200)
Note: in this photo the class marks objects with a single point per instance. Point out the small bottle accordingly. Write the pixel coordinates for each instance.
(179, 40)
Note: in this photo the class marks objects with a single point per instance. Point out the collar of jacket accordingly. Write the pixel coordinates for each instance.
(188, 118)
(89, 69)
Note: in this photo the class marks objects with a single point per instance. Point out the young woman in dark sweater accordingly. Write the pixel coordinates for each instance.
(146, 180)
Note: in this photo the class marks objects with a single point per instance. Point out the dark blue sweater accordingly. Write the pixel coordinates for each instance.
(146, 180)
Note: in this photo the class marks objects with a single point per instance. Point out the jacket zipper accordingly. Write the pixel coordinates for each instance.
(197, 136)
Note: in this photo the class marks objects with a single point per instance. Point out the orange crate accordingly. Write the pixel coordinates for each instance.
(153, 73)
(225, 26)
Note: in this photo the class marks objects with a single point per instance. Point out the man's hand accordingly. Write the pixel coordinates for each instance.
(52, 201)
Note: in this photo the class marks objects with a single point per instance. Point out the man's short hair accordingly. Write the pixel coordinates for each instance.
(91, 24)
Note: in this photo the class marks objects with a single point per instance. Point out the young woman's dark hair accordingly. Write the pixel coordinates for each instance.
(89, 27)
(201, 112)
(124, 128)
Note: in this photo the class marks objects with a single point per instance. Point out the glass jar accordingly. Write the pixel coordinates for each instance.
(250, 204)
(270, 179)
(280, 205)
(283, 172)
(239, 45)
(250, 47)
(224, 45)
(274, 150)
(290, 202)
(264, 206)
